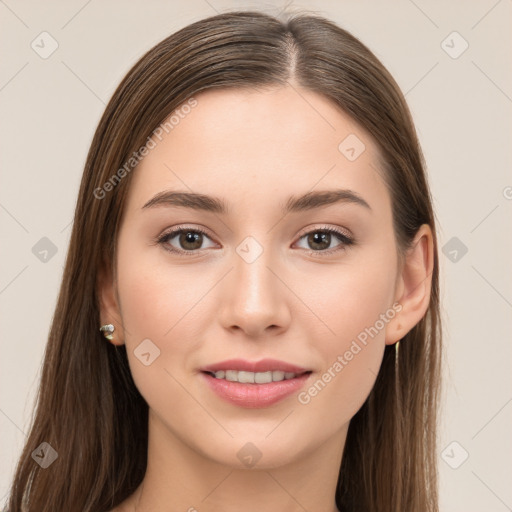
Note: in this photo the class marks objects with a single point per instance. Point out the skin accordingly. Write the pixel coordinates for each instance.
(255, 149)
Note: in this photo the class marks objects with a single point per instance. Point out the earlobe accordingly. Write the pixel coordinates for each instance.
(413, 286)
(108, 305)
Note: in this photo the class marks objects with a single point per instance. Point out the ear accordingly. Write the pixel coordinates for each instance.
(108, 303)
(413, 285)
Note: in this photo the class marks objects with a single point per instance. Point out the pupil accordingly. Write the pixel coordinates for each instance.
(320, 238)
(191, 238)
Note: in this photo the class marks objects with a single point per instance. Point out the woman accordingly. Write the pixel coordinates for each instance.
(249, 311)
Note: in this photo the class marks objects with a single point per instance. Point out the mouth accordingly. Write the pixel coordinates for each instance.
(254, 384)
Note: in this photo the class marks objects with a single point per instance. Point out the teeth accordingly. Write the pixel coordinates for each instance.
(246, 377)
(262, 377)
(231, 375)
(254, 377)
(277, 376)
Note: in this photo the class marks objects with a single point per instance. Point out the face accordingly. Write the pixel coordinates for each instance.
(312, 286)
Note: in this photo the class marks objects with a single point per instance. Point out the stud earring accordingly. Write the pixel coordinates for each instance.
(107, 330)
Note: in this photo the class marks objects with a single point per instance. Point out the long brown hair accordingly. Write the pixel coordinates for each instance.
(88, 408)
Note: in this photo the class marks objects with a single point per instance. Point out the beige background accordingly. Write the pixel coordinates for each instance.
(461, 106)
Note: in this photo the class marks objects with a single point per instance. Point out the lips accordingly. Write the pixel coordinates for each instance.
(247, 384)
(265, 365)
(254, 396)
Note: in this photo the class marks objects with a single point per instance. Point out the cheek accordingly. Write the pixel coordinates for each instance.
(158, 299)
(355, 307)
(347, 299)
(157, 306)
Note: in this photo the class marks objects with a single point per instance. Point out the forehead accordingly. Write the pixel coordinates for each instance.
(257, 144)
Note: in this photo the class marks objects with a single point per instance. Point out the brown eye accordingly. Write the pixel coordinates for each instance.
(184, 240)
(190, 240)
(320, 240)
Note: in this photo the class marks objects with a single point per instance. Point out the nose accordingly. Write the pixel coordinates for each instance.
(254, 298)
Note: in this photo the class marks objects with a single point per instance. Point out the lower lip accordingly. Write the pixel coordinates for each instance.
(255, 396)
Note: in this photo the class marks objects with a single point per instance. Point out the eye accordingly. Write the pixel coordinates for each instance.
(320, 240)
(188, 239)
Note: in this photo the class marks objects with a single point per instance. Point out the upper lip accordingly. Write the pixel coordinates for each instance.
(264, 365)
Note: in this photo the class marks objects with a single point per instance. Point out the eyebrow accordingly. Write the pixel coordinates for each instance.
(308, 201)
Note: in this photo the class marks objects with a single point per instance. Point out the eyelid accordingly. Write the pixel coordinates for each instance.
(325, 227)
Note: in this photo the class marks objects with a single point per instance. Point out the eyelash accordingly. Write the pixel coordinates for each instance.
(345, 240)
